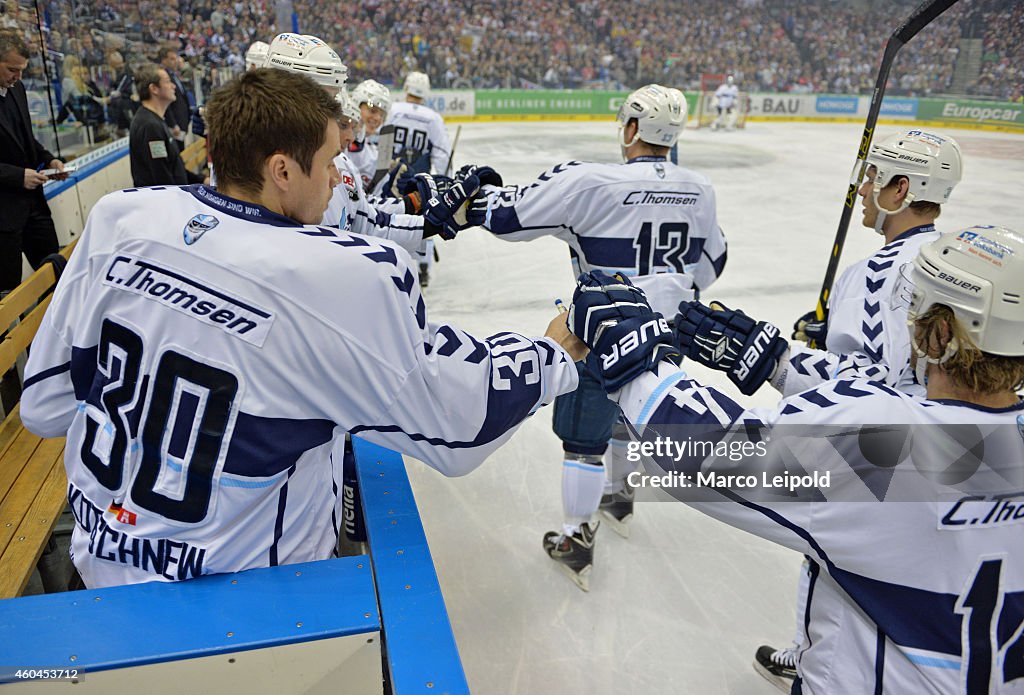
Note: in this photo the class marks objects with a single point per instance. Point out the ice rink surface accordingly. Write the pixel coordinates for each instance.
(682, 605)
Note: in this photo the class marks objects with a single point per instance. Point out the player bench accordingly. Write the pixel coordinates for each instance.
(33, 487)
(364, 624)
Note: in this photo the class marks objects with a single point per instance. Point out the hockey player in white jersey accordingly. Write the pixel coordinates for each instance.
(421, 139)
(205, 349)
(421, 142)
(349, 207)
(646, 218)
(374, 102)
(911, 174)
(726, 97)
(909, 508)
(298, 53)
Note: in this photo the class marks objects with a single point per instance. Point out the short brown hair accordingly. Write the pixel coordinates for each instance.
(261, 113)
(145, 77)
(969, 368)
(10, 40)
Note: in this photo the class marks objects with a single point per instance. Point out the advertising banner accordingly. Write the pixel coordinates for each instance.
(526, 102)
(504, 104)
(988, 113)
(453, 102)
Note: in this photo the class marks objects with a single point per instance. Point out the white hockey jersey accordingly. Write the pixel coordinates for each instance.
(202, 354)
(914, 538)
(351, 210)
(867, 336)
(420, 128)
(364, 159)
(726, 95)
(647, 217)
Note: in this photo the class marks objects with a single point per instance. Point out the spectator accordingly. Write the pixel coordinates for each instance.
(26, 224)
(178, 113)
(123, 100)
(82, 97)
(155, 158)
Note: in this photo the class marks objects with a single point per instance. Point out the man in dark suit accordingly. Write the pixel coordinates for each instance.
(25, 221)
(179, 113)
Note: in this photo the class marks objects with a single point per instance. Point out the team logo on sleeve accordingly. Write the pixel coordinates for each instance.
(349, 182)
(198, 226)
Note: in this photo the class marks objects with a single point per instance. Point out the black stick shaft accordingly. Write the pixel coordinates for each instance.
(921, 17)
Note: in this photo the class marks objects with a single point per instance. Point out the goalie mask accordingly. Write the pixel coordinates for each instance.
(931, 163)
(977, 272)
(307, 55)
(660, 114)
(417, 84)
(256, 55)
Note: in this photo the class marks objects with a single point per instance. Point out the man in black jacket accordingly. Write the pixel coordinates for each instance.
(154, 155)
(179, 113)
(25, 221)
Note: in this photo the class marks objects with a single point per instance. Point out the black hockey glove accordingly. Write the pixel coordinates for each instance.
(809, 328)
(729, 341)
(487, 175)
(444, 213)
(614, 319)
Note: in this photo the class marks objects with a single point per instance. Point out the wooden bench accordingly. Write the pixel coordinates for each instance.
(194, 156)
(33, 486)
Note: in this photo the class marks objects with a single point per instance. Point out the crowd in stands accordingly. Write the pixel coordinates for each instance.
(769, 45)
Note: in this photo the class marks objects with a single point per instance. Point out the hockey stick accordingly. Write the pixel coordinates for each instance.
(451, 155)
(921, 17)
(385, 153)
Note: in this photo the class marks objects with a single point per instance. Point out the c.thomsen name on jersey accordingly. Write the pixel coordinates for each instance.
(784, 481)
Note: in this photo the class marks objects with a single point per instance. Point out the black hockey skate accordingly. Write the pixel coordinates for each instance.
(778, 666)
(617, 509)
(574, 554)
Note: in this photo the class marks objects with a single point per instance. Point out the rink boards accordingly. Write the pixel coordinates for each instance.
(368, 624)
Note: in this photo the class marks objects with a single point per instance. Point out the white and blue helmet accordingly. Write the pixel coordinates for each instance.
(373, 94)
(256, 55)
(417, 84)
(660, 113)
(307, 55)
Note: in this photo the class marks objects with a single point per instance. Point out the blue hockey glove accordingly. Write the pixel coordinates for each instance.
(809, 328)
(729, 341)
(392, 187)
(198, 124)
(444, 211)
(487, 175)
(614, 319)
(416, 189)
